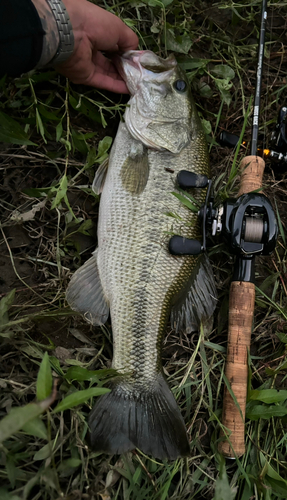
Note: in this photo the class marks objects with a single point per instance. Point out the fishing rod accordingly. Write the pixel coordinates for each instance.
(249, 226)
(242, 289)
(277, 153)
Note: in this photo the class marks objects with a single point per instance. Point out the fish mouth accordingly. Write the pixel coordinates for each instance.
(136, 65)
(127, 64)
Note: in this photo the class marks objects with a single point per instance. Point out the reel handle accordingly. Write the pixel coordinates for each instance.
(240, 319)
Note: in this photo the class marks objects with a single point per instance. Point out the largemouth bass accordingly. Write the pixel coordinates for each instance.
(131, 274)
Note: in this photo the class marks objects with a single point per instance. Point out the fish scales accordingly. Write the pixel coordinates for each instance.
(132, 274)
(137, 273)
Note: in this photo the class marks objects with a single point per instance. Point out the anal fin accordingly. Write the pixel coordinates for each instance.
(85, 293)
(196, 303)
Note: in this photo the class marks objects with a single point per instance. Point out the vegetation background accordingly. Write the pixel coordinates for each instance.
(53, 136)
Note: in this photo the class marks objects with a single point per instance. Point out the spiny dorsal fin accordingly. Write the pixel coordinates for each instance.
(85, 293)
(135, 171)
(100, 177)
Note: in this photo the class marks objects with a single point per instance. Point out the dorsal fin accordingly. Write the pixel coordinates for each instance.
(100, 177)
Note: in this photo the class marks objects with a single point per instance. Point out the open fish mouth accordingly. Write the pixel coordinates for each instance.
(137, 65)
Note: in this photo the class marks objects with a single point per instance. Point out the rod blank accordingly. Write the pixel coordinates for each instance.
(255, 124)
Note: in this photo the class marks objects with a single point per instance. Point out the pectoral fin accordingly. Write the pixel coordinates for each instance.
(85, 293)
(135, 172)
(197, 301)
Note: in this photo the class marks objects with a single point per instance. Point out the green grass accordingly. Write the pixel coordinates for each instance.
(48, 228)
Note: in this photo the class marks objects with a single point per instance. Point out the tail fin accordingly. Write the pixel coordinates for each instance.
(151, 421)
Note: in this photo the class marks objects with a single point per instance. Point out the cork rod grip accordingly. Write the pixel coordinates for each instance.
(252, 168)
(241, 310)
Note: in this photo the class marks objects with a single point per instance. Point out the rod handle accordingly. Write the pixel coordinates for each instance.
(251, 168)
(241, 309)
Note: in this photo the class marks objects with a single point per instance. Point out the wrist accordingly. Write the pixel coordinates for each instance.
(65, 31)
(58, 41)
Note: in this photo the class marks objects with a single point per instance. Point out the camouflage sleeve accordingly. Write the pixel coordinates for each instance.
(51, 37)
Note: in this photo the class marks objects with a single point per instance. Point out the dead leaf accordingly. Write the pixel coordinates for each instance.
(30, 215)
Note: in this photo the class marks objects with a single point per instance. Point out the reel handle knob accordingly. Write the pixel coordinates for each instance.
(187, 180)
(184, 246)
(227, 139)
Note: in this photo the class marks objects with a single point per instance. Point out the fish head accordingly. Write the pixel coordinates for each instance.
(161, 106)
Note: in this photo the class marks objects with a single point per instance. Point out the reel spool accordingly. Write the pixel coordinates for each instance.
(253, 230)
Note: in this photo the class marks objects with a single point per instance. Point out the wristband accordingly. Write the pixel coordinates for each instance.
(66, 45)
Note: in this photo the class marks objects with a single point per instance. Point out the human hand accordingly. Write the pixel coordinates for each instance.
(96, 30)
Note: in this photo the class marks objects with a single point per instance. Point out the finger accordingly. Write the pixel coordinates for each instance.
(105, 75)
(121, 40)
(105, 65)
(111, 33)
(106, 82)
(128, 40)
(95, 78)
(102, 75)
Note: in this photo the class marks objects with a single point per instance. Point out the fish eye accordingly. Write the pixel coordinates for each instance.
(180, 85)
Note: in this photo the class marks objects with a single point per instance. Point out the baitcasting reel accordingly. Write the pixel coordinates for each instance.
(278, 139)
(247, 223)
